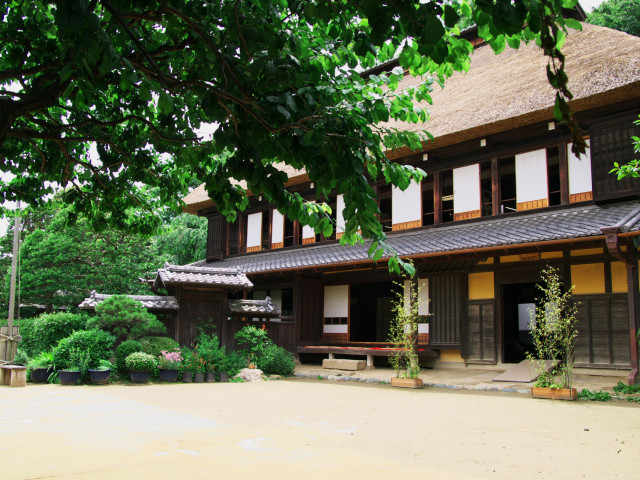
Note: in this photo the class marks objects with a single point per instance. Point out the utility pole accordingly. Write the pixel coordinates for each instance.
(14, 269)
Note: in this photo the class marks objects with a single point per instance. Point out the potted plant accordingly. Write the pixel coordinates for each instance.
(100, 375)
(41, 366)
(77, 363)
(198, 367)
(210, 372)
(188, 366)
(140, 365)
(169, 365)
(553, 330)
(403, 333)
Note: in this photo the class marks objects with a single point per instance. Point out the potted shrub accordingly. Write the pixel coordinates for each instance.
(41, 366)
(101, 374)
(198, 367)
(187, 366)
(553, 329)
(209, 349)
(77, 363)
(140, 365)
(403, 333)
(169, 365)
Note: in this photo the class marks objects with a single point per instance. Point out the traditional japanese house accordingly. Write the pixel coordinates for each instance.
(504, 197)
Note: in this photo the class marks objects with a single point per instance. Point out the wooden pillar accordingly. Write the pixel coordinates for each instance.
(495, 186)
(564, 173)
(632, 289)
(437, 198)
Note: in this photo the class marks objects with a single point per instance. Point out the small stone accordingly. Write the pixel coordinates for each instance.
(586, 429)
(250, 374)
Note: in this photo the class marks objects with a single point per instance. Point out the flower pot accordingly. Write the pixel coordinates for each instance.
(198, 377)
(223, 376)
(554, 393)
(210, 378)
(406, 382)
(69, 377)
(168, 375)
(187, 377)
(40, 375)
(140, 377)
(99, 377)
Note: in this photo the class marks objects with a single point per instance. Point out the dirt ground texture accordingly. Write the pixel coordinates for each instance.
(313, 429)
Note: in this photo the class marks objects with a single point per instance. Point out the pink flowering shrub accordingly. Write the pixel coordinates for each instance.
(170, 360)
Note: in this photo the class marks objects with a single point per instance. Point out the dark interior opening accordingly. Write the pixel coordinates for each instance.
(384, 199)
(447, 195)
(288, 232)
(370, 312)
(553, 175)
(508, 202)
(234, 237)
(266, 230)
(428, 217)
(486, 189)
(519, 299)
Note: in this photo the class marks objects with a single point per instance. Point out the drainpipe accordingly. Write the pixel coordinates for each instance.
(630, 260)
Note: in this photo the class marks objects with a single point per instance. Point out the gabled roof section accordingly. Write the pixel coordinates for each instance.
(254, 308)
(153, 303)
(517, 230)
(210, 276)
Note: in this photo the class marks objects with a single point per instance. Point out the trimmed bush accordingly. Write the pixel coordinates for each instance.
(275, 360)
(97, 344)
(125, 349)
(42, 333)
(126, 319)
(155, 345)
(141, 362)
(232, 363)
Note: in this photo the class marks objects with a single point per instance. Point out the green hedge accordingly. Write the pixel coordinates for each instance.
(41, 334)
(96, 343)
(275, 360)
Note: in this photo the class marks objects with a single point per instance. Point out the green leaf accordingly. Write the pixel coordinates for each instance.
(165, 103)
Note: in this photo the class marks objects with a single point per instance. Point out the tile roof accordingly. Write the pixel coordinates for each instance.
(204, 275)
(150, 302)
(260, 308)
(513, 229)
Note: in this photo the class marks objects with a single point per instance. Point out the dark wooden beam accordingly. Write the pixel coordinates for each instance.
(437, 198)
(495, 186)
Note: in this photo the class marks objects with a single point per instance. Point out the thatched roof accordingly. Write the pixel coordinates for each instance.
(153, 303)
(198, 198)
(510, 90)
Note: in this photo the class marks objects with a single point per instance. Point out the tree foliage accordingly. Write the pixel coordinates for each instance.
(623, 15)
(108, 98)
(63, 262)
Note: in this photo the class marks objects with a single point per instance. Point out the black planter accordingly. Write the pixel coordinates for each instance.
(40, 375)
(99, 377)
(223, 376)
(187, 377)
(140, 377)
(69, 377)
(198, 377)
(168, 375)
(210, 378)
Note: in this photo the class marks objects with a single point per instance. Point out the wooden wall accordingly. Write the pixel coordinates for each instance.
(481, 346)
(603, 331)
(611, 142)
(308, 308)
(216, 237)
(447, 292)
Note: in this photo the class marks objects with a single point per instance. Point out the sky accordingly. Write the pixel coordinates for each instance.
(587, 5)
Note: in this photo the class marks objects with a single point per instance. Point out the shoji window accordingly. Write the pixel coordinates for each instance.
(531, 180)
(336, 313)
(580, 185)
(254, 232)
(406, 207)
(466, 192)
(277, 230)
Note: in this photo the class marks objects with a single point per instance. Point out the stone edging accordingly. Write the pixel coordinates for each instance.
(337, 378)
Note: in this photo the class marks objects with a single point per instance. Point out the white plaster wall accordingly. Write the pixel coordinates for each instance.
(340, 223)
(406, 206)
(466, 188)
(579, 171)
(254, 230)
(531, 176)
(277, 227)
(336, 301)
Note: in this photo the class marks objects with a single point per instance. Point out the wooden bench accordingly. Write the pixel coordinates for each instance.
(368, 352)
(13, 375)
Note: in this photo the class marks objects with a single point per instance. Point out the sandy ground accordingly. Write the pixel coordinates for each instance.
(316, 429)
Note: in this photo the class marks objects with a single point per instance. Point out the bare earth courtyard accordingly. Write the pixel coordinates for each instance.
(308, 429)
